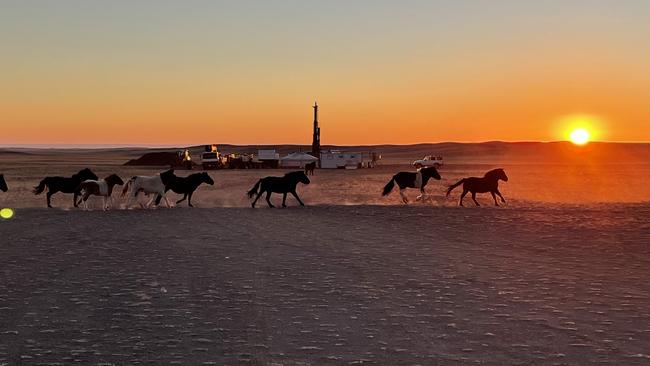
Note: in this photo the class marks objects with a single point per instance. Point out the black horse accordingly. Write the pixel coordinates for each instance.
(411, 180)
(3, 183)
(64, 185)
(284, 185)
(310, 167)
(187, 185)
(489, 183)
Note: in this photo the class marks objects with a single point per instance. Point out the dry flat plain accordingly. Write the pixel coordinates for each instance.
(557, 277)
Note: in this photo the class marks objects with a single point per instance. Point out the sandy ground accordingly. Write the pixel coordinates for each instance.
(558, 276)
(327, 285)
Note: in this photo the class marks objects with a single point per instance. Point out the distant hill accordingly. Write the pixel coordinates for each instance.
(494, 152)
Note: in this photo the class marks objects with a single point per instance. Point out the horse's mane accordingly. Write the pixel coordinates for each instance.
(494, 173)
(82, 171)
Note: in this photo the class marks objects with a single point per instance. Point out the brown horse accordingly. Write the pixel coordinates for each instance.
(489, 183)
(309, 168)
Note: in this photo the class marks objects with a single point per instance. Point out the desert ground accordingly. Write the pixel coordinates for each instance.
(559, 276)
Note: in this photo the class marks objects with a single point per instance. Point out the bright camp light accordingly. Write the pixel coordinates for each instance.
(6, 213)
(579, 136)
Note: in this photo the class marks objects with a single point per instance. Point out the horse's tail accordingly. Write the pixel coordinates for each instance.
(126, 186)
(41, 186)
(451, 187)
(389, 187)
(253, 190)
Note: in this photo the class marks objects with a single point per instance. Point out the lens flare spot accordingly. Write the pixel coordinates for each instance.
(6, 213)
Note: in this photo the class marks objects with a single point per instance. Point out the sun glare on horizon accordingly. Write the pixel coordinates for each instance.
(580, 136)
(580, 129)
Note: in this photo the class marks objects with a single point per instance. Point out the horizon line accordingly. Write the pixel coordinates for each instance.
(170, 146)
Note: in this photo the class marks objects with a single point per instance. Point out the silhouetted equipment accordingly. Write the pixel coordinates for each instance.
(315, 144)
(211, 158)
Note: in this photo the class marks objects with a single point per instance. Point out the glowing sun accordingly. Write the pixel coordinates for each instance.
(580, 136)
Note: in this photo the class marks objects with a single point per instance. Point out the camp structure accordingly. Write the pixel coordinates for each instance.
(297, 160)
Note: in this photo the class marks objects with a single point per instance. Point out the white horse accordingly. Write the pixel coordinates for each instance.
(150, 185)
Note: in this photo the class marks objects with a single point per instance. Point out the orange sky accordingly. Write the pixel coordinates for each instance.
(382, 72)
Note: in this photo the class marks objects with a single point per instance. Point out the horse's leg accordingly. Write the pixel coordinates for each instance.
(404, 199)
(74, 199)
(284, 199)
(189, 199)
(499, 193)
(150, 202)
(494, 196)
(298, 198)
(104, 203)
(169, 205)
(182, 199)
(474, 198)
(84, 199)
(268, 199)
(422, 194)
(256, 198)
(460, 203)
(49, 199)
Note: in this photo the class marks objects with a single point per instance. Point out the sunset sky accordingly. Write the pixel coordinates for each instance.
(193, 72)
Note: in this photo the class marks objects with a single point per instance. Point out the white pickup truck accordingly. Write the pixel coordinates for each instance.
(429, 161)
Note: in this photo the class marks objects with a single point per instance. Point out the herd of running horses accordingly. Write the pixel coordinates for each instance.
(85, 184)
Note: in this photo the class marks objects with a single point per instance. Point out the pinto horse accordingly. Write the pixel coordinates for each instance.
(148, 184)
(284, 185)
(102, 187)
(3, 183)
(310, 167)
(64, 185)
(489, 183)
(404, 180)
(187, 185)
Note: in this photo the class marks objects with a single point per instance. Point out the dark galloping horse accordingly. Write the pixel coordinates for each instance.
(284, 185)
(187, 185)
(64, 185)
(489, 183)
(309, 168)
(3, 183)
(411, 180)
